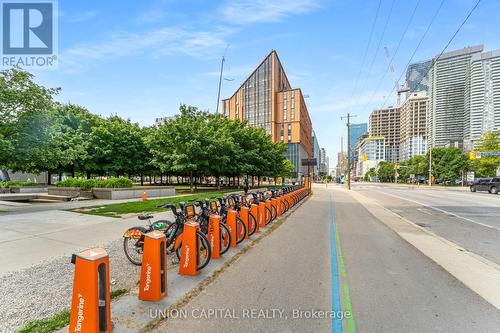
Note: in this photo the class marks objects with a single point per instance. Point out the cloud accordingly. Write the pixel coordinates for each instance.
(158, 42)
(82, 17)
(255, 11)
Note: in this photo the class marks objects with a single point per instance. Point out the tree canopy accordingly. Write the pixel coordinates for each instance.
(39, 134)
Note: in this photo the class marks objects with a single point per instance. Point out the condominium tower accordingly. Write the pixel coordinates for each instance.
(417, 78)
(267, 100)
(413, 131)
(448, 94)
(386, 123)
(483, 108)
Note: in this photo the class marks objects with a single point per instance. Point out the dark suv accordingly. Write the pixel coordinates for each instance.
(491, 185)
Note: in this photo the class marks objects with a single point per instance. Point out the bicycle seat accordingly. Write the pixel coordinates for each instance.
(145, 217)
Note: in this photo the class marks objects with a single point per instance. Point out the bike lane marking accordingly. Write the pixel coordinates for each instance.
(338, 265)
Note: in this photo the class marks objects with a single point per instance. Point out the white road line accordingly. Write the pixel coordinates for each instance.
(441, 210)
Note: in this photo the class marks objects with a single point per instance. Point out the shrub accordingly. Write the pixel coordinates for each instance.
(13, 183)
(115, 183)
(88, 184)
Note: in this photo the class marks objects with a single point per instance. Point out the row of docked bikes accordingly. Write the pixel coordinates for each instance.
(277, 202)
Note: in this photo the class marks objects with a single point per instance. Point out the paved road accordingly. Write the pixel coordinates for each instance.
(470, 220)
(388, 284)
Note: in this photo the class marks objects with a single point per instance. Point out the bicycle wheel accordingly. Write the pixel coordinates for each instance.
(241, 230)
(252, 224)
(225, 238)
(204, 250)
(133, 245)
(268, 216)
(274, 212)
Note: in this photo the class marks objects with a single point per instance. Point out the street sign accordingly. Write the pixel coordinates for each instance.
(470, 176)
(309, 162)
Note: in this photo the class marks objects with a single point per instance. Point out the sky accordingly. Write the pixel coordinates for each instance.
(142, 59)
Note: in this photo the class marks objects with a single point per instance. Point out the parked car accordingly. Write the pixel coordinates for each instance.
(491, 185)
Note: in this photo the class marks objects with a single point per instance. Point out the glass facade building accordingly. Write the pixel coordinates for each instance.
(266, 100)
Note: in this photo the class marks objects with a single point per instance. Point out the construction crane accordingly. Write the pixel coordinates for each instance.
(399, 89)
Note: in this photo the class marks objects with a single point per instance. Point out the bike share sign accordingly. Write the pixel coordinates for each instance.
(29, 33)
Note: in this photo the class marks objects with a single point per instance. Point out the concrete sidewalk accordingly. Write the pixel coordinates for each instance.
(27, 239)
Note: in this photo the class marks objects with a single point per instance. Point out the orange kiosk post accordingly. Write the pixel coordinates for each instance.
(214, 236)
(262, 214)
(90, 311)
(153, 285)
(244, 217)
(254, 209)
(231, 224)
(188, 265)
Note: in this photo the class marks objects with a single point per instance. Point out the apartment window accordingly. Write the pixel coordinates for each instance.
(289, 132)
(282, 130)
(237, 110)
(292, 108)
(284, 105)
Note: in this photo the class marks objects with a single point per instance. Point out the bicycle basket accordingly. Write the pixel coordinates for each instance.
(213, 206)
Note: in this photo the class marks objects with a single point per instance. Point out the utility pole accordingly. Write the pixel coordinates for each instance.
(348, 117)
(430, 165)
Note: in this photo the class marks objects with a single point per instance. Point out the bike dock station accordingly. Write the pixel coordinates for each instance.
(90, 306)
(136, 310)
(214, 235)
(189, 256)
(153, 283)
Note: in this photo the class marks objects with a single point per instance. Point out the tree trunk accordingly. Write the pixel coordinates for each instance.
(49, 178)
(72, 171)
(258, 181)
(149, 179)
(253, 181)
(191, 181)
(217, 179)
(238, 182)
(88, 174)
(142, 179)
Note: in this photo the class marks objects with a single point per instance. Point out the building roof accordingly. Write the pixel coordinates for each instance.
(460, 52)
(256, 68)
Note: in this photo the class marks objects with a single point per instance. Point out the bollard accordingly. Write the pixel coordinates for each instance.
(254, 209)
(244, 217)
(231, 224)
(90, 310)
(188, 265)
(214, 234)
(262, 214)
(153, 284)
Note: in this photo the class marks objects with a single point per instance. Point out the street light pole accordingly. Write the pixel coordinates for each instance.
(349, 116)
(220, 84)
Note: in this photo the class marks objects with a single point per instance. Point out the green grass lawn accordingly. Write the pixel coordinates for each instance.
(150, 206)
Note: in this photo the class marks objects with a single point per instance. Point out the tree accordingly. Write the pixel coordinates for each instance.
(448, 163)
(486, 166)
(21, 102)
(370, 174)
(385, 171)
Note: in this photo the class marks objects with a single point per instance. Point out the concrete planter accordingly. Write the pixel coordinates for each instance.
(73, 192)
(28, 189)
(135, 192)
